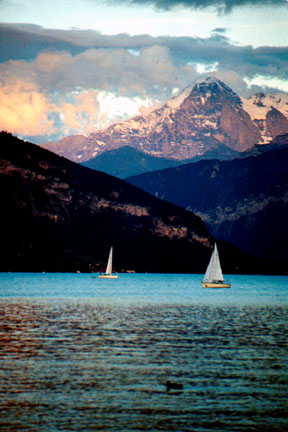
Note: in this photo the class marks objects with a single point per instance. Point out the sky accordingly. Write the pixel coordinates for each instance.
(73, 66)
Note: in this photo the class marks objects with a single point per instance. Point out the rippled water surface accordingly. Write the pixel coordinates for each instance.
(81, 354)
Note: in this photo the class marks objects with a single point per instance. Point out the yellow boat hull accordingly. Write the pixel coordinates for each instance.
(112, 276)
(215, 285)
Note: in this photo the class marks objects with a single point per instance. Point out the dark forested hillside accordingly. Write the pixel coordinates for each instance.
(59, 216)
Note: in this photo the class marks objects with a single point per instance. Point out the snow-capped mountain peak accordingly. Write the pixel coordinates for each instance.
(200, 118)
(214, 88)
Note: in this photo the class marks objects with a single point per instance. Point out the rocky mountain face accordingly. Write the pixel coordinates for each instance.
(243, 201)
(280, 142)
(269, 113)
(59, 216)
(198, 120)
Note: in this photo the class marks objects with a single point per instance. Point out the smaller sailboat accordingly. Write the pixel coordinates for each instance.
(108, 274)
(213, 277)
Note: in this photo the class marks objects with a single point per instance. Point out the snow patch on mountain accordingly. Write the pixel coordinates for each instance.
(177, 101)
(260, 104)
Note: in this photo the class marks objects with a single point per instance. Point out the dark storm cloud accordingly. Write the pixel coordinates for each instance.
(27, 40)
(221, 5)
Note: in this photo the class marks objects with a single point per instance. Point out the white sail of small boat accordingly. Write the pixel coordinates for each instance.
(108, 273)
(213, 277)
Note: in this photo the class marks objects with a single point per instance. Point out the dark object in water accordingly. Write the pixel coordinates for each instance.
(173, 385)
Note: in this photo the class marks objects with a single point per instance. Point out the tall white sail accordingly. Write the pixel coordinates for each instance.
(214, 271)
(109, 264)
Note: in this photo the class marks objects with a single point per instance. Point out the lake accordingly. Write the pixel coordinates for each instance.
(78, 353)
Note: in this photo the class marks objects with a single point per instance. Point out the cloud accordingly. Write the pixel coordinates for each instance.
(219, 30)
(97, 79)
(25, 110)
(221, 5)
(58, 90)
(101, 53)
(81, 114)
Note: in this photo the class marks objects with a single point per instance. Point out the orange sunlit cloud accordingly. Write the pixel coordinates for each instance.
(83, 114)
(61, 94)
(24, 110)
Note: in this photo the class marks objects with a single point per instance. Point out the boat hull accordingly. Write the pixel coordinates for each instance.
(215, 285)
(112, 276)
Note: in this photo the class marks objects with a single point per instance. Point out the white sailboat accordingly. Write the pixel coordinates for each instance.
(108, 274)
(213, 277)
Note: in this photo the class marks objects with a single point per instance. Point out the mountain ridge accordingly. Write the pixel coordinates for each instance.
(59, 216)
(196, 121)
(128, 161)
(243, 201)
